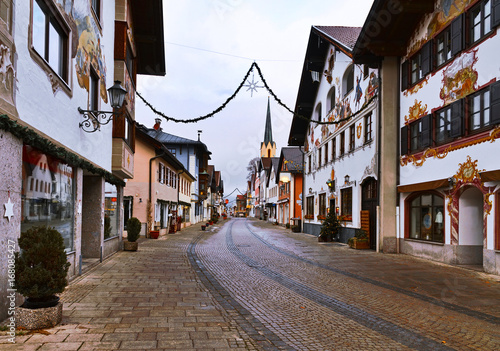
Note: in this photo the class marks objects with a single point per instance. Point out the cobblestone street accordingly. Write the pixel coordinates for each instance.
(250, 285)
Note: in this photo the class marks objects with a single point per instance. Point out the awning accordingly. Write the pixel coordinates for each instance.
(433, 184)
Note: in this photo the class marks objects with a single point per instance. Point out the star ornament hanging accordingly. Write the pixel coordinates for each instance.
(252, 85)
(9, 209)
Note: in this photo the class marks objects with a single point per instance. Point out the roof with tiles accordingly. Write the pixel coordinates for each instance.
(344, 35)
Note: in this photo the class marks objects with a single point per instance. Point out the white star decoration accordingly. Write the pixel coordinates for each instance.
(252, 85)
(9, 209)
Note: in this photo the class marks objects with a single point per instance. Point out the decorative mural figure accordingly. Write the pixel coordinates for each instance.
(331, 66)
(89, 54)
(359, 93)
(459, 78)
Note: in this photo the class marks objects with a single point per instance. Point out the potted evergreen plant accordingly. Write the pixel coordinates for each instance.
(360, 241)
(330, 227)
(133, 231)
(41, 273)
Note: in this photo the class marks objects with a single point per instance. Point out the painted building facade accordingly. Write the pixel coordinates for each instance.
(291, 167)
(159, 180)
(450, 125)
(53, 172)
(194, 156)
(336, 124)
(447, 117)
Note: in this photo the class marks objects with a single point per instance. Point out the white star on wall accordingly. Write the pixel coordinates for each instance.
(9, 209)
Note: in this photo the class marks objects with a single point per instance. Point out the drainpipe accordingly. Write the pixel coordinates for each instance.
(150, 166)
(379, 142)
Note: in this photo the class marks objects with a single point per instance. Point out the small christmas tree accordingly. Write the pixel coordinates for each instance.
(41, 265)
(330, 228)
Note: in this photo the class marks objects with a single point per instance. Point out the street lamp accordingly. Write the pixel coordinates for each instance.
(93, 120)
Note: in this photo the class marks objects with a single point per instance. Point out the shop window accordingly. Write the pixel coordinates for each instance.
(50, 38)
(426, 217)
(368, 128)
(48, 194)
(346, 202)
(111, 211)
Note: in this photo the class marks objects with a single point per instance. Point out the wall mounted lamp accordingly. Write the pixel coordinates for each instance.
(331, 184)
(93, 120)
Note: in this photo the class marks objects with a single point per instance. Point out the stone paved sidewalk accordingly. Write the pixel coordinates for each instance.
(144, 300)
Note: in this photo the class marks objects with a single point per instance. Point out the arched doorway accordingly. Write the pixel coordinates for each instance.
(369, 200)
(471, 226)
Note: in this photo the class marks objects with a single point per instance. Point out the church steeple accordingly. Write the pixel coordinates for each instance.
(268, 147)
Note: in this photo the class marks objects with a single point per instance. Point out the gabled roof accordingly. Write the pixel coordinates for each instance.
(265, 163)
(171, 139)
(160, 149)
(346, 36)
(273, 168)
(292, 160)
(320, 39)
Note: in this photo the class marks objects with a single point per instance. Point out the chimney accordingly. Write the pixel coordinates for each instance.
(199, 132)
(157, 124)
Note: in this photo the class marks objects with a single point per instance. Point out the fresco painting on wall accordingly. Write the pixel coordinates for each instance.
(372, 88)
(447, 11)
(459, 78)
(416, 111)
(331, 66)
(89, 54)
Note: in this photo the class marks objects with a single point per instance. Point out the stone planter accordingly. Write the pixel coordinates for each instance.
(40, 318)
(130, 246)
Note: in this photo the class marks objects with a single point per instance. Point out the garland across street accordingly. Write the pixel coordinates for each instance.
(252, 86)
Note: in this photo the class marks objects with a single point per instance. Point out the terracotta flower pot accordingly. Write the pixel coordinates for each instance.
(154, 234)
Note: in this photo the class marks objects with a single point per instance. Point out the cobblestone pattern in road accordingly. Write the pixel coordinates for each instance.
(311, 306)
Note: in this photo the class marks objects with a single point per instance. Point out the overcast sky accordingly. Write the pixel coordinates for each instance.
(209, 47)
